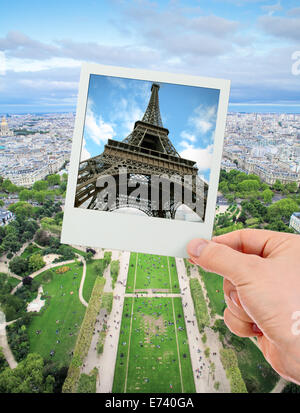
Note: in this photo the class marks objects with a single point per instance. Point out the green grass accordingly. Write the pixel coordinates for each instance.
(82, 253)
(87, 382)
(31, 249)
(90, 278)
(214, 287)
(152, 272)
(258, 375)
(153, 365)
(62, 306)
(12, 281)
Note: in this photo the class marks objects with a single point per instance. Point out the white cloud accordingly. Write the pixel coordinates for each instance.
(202, 156)
(49, 84)
(127, 112)
(271, 9)
(96, 129)
(30, 65)
(203, 119)
(188, 136)
(84, 152)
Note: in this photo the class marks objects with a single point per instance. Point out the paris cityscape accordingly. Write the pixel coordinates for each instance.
(49, 290)
(265, 144)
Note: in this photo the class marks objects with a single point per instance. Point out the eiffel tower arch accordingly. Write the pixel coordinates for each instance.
(145, 156)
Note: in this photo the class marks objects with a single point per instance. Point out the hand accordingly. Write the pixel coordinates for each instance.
(261, 271)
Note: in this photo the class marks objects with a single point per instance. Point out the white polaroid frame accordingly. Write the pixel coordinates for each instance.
(134, 232)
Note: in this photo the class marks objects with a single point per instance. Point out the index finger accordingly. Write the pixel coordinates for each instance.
(250, 241)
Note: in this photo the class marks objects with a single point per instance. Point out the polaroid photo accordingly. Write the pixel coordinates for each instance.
(145, 160)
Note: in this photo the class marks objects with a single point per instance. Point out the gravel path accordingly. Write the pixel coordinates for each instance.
(205, 383)
(4, 344)
(280, 385)
(47, 267)
(82, 283)
(106, 361)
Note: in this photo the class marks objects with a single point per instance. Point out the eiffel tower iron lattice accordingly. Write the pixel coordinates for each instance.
(146, 152)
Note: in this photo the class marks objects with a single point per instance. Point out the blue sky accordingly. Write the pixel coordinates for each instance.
(114, 104)
(250, 42)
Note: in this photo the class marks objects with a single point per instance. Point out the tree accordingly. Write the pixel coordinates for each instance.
(291, 187)
(8, 186)
(3, 362)
(21, 209)
(18, 265)
(27, 280)
(267, 196)
(10, 243)
(36, 262)
(40, 185)
(42, 237)
(89, 256)
(39, 196)
(63, 187)
(223, 187)
(278, 186)
(291, 388)
(27, 377)
(248, 185)
(25, 195)
(282, 209)
(53, 179)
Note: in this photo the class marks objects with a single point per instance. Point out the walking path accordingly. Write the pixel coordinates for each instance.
(280, 385)
(107, 360)
(4, 344)
(82, 283)
(204, 384)
(47, 267)
(4, 261)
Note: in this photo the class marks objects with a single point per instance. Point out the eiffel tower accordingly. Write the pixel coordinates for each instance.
(145, 152)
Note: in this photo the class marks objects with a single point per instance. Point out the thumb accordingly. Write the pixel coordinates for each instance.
(236, 266)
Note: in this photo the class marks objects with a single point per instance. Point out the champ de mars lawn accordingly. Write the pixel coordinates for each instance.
(54, 329)
(153, 354)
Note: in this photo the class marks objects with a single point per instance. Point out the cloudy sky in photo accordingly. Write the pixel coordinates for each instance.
(115, 104)
(250, 42)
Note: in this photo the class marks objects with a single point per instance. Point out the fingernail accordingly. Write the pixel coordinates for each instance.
(196, 246)
(256, 330)
(234, 297)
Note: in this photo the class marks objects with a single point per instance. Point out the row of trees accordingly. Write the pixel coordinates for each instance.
(257, 211)
(33, 375)
(236, 184)
(24, 227)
